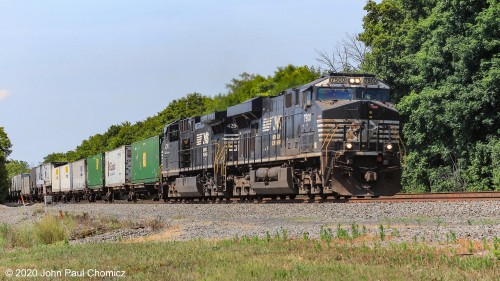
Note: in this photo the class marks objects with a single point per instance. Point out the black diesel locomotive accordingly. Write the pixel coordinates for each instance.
(336, 136)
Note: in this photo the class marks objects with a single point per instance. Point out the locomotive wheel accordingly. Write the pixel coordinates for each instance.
(324, 196)
(274, 197)
(311, 196)
(283, 197)
(258, 198)
(292, 197)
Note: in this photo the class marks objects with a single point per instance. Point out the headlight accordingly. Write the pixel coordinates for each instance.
(348, 145)
(388, 147)
(354, 80)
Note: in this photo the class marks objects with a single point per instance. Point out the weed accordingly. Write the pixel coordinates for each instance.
(255, 239)
(439, 221)
(496, 247)
(355, 231)
(381, 232)
(155, 223)
(451, 237)
(341, 233)
(325, 234)
(317, 245)
(284, 234)
(268, 236)
(470, 248)
(49, 230)
(395, 233)
(305, 236)
(485, 244)
(469, 222)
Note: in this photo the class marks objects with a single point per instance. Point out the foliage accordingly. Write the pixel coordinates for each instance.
(442, 57)
(194, 104)
(15, 167)
(5, 150)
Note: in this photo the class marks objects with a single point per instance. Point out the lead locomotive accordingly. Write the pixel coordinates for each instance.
(336, 136)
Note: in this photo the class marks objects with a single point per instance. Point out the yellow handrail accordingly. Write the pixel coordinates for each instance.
(327, 141)
(402, 152)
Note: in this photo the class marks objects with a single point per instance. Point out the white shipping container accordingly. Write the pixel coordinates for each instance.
(20, 183)
(65, 178)
(79, 173)
(15, 183)
(25, 184)
(38, 173)
(118, 167)
(46, 173)
(56, 179)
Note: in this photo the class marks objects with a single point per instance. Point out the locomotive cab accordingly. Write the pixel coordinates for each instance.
(358, 135)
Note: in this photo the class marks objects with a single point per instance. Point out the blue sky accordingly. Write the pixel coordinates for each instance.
(71, 69)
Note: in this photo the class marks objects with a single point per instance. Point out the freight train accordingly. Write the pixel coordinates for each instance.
(336, 136)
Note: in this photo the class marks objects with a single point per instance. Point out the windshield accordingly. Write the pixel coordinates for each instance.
(372, 94)
(334, 94)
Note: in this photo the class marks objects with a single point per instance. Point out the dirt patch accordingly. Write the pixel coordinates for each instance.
(166, 235)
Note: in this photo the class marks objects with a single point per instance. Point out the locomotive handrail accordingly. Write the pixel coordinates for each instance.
(328, 139)
(403, 155)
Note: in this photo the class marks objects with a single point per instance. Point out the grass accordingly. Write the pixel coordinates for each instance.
(51, 229)
(251, 258)
(338, 254)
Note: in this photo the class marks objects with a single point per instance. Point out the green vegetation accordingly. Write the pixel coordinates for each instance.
(442, 58)
(15, 167)
(52, 229)
(5, 150)
(259, 259)
(43, 244)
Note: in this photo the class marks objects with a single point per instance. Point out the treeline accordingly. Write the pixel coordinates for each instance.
(442, 58)
(238, 90)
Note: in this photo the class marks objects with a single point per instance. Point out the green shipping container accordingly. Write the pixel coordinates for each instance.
(95, 171)
(146, 160)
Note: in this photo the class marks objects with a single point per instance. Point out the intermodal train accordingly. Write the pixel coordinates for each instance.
(337, 136)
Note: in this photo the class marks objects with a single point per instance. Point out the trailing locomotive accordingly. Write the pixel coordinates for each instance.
(336, 136)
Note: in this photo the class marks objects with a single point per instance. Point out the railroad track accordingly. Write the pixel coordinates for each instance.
(400, 197)
(430, 197)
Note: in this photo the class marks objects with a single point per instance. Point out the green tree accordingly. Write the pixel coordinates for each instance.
(5, 150)
(55, 157)
(15, 167)
(442, 57)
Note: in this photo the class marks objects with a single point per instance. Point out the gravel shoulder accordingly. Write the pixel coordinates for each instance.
(422, 221)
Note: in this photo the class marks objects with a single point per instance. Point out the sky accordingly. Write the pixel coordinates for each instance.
(71, 69)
